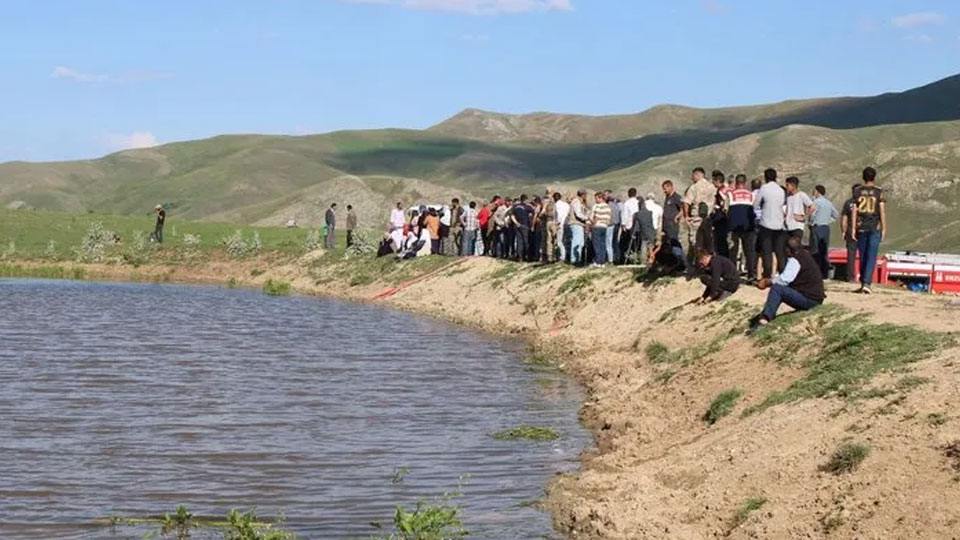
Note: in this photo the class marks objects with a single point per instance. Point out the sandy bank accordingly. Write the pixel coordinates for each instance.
(660, 470)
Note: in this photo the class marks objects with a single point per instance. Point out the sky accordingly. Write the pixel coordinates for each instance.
(83, 79)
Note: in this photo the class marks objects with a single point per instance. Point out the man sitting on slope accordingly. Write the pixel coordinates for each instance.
(799, 286)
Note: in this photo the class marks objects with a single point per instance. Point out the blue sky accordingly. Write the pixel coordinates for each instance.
(81, 79)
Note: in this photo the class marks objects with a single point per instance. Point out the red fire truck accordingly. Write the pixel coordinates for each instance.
(934, 272)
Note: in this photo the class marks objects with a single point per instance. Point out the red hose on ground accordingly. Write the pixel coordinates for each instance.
(390, 292)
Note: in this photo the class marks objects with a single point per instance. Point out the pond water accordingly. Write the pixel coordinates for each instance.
(130, 399)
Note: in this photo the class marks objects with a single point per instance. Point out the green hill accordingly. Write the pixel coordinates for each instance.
(267, 180)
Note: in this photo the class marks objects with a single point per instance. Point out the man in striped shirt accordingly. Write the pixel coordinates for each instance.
(600, 221)
(469, 223)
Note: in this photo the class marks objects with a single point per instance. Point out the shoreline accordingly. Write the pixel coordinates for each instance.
(656, 470)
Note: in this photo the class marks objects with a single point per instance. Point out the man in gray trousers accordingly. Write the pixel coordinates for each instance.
(330, 220)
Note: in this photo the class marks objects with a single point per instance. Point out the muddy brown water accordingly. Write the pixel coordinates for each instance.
(130, 399)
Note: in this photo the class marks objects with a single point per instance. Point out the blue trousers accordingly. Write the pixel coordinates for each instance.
(576, 244)
(868, 245)
(780, 294)
(599, 238)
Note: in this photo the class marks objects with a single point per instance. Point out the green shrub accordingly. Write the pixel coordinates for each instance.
(526, 432)
(657, 353)
(722, 405)
(276, 288)
(846, 458)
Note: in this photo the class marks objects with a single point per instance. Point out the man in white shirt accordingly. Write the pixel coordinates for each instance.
(578, 222)
(630, 208)
(657, 212)
(563, 210)
(799, 207)
(770, 201)
(396, 218)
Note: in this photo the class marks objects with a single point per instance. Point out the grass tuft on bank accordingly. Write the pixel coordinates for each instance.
(846, 458)
(526, 432)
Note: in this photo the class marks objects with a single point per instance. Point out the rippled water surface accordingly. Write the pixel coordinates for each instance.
(124, 399)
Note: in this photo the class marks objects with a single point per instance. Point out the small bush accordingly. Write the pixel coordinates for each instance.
(722, 405)
(657, 353)
(276, 288)
(244, 526)
(93, 246)
(846, 458)
(526, 432)
(313, 241)
(51, 252)
(236, 245)
(749, 506)
(362, 245)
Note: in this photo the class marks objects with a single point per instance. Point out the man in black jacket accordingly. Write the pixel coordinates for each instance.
(799, 286)
(719, 276)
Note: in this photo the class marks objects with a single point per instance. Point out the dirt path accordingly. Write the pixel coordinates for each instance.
(659, 470)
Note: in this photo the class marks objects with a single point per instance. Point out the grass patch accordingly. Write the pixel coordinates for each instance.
(538, 359)
(748, 507)
(42, 272)
(526, 432)
(578, 283)
(670, 315)
(722, 405)
(851, 352)
(664, 377)
(911, 382)
(657, 353)
(544, 274)
(846, 458)
(276, 288)
(937, 418)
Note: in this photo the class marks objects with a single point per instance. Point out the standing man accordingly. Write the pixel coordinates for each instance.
(700, 191)
(548, 227)
(522, 220)
(485, 219)
(846, 229)
(456, 228)
(330, 221)
(870, 226)
(799, 208)
(577, 221)
(613, 229)
(161, 218)
(469, 225)
(563, 211)
(673, 208)
(741, 220)
(824, 214)
(719, 220)
(500, 228)
(769, 202)
(656, 213)
(351, 224)
(397, 219)
(432, 224)
(600, 220)
(630, 208)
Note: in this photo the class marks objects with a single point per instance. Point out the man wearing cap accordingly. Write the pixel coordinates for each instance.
(158, 230)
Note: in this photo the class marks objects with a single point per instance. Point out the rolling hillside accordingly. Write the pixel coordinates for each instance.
(266, 180)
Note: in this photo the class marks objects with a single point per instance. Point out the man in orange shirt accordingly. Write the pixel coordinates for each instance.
(432, 223)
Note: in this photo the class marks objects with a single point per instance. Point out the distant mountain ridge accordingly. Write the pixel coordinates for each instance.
(934, 102)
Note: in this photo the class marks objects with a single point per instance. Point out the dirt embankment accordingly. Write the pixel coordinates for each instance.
(881, 372)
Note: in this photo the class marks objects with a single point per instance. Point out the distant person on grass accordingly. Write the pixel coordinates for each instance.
(870, 226)
(351, 224)
(563, 232)
(469, 225)
(600, 221)
(161, 218)
(700, 191)
(330, 222)
(522, 221)
(799, 286)
(825, 214)
(432, 224)
(672, 215)
(628, 238)
(577, 220)
(741, 219)
(547, 219)
(719, 275)
(849, 238)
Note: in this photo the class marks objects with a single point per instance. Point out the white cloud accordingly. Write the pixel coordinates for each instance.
(137, 139)
(75, 75)
(911, 20)
(477, 7)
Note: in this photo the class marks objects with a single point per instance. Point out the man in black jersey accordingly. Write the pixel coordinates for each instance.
(869, 225)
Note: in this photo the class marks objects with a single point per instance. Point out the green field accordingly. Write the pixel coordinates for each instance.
(27, 235)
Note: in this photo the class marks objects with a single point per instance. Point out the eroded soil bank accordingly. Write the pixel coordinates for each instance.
(877, 372)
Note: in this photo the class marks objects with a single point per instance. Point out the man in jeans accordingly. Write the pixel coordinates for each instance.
(799, 286)
(869, 226)
(522, 220)
(846, 229)
(562, 211)
(469, 225)
(330, 220)
(769, 202)
(577, 220)
(824, 214)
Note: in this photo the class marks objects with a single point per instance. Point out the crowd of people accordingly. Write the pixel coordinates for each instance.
(725, 233)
